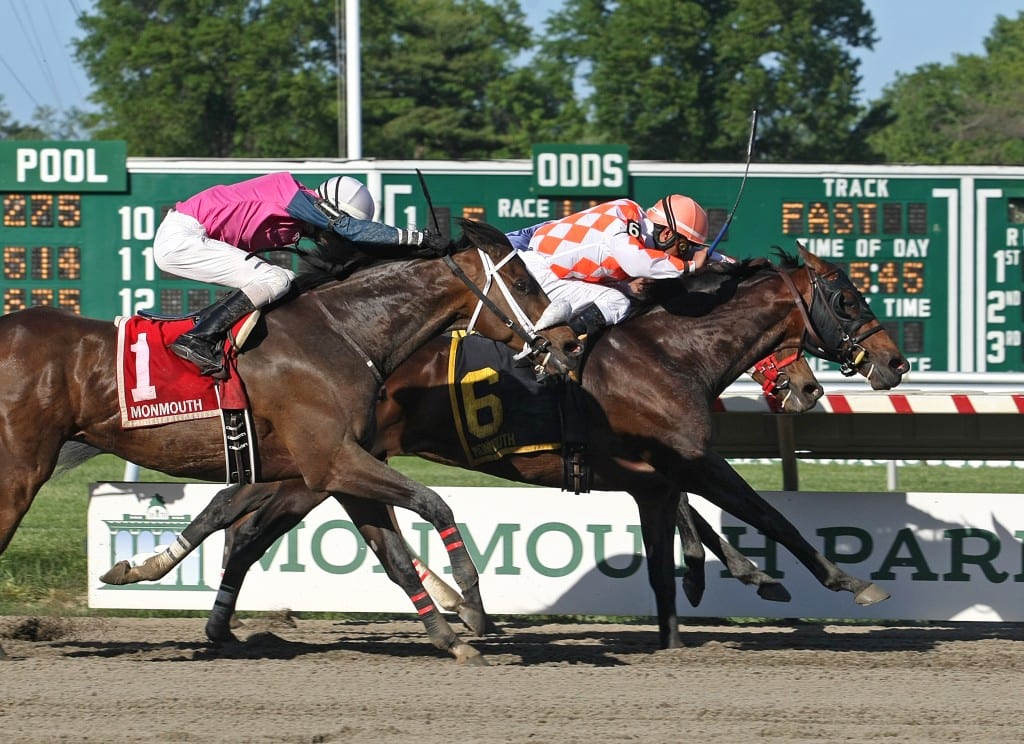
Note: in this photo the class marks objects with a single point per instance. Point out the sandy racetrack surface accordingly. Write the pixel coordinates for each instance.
(132, 680)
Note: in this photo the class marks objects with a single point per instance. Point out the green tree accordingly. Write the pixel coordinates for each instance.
(439, 80)
(14, 130)
(966, 113)
(677, 80)
(218, 78)
(238, 78)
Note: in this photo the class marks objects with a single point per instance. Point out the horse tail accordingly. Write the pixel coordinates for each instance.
(73, 454)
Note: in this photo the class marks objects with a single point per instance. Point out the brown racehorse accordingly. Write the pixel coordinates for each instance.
(661, 420)
(785, 375)
(313, 378)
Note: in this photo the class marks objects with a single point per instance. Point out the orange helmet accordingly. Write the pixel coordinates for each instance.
(681, 215)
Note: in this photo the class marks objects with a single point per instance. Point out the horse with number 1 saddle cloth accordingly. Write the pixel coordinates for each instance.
(156, 387)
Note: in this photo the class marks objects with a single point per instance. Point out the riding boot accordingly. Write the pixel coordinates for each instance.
(587, 321)
(203, 344)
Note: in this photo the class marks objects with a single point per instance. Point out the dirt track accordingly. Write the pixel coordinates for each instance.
(130, 680)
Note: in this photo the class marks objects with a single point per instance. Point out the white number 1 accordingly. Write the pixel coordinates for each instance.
(142, 390)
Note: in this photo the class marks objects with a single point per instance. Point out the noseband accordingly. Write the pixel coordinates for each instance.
(827, 318)
(534, 345)
(769, 371)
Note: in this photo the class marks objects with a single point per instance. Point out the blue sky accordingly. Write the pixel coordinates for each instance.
(37, 66)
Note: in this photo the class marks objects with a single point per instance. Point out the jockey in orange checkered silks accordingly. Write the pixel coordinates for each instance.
(602, 258)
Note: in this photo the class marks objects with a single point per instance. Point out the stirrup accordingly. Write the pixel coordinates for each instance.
(192, 350)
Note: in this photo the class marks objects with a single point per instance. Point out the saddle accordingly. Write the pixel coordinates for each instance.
(156, 387)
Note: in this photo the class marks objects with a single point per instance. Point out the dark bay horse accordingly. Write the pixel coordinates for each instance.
(651, 436)
(784, 375)
(313, 377)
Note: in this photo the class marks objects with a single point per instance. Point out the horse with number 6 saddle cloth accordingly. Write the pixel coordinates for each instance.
(499, 408)
(156, 387)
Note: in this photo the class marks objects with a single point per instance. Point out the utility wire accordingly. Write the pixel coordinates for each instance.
(71, 76)
(15, 78)
(28, 29)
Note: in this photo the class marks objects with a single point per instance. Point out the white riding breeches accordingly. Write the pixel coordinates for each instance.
(183, 248)
(612, 301)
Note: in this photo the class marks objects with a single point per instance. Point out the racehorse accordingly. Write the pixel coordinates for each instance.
(785, 376)
(312, 377)
(651, 438)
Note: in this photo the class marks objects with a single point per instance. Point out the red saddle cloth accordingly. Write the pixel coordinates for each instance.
(156, 387)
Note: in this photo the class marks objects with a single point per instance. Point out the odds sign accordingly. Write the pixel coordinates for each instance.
(576, 170)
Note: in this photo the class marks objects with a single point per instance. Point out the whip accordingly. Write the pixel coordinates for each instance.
(743, 183)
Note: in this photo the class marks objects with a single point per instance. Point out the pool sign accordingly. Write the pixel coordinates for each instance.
(581, 170)
(56, 166)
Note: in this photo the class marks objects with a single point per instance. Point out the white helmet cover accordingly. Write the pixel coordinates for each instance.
(348, 195)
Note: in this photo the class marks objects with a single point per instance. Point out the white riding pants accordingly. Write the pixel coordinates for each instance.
(183, 248)
(613, 302)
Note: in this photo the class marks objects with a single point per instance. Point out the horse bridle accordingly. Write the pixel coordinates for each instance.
(825, 317)
(534, 345)
(770, 371)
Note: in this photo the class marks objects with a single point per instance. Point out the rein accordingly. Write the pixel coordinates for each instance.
(848, 351)
(335, 325)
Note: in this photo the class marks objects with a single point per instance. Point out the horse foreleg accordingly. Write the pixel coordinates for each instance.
(226, 507)
(714, 479)
(248, 539)
(694, 580)
(366, 476)
(739, 566)
(446, 595)
(658, 529)
(376, 524)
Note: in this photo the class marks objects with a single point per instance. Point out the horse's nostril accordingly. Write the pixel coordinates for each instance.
(573, 349)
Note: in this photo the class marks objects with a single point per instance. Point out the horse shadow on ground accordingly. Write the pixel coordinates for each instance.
(533, 644)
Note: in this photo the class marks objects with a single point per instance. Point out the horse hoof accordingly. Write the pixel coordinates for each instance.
(694, 592)
(218, 636)
(474, 618)
(117, 574)
(468, 656)
(774, 592)
(871, 595)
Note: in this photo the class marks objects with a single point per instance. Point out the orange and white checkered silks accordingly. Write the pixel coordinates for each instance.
(599, 245)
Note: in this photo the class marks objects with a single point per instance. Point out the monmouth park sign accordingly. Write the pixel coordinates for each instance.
(941, 556)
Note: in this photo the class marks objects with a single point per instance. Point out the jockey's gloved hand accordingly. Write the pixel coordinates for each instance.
(435, 242)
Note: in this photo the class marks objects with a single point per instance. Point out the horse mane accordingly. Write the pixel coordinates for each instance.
(332, 258)
(714, 283)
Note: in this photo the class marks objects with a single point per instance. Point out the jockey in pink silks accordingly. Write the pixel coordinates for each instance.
(212, 236)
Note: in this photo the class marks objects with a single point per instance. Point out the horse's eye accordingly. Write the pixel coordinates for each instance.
(846, 306)
(522, 285)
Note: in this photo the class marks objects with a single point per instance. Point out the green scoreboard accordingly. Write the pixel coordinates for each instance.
(937, 250)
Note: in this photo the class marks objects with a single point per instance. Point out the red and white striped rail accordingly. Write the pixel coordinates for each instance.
(909, 402)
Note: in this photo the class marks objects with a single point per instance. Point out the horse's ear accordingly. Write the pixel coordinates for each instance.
(819, 265)
(482, 235)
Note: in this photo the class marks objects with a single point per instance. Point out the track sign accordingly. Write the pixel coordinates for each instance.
(580, 170)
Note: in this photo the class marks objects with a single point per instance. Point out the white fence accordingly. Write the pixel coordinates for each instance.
(942, 556)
